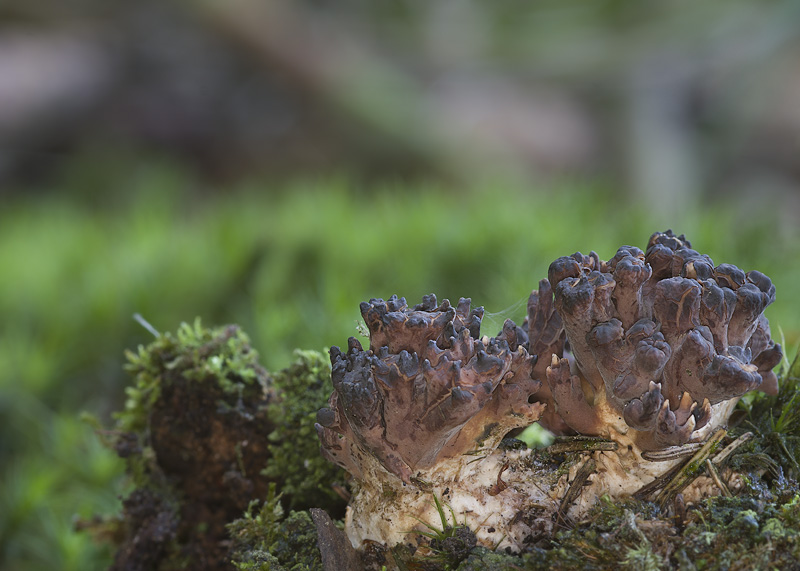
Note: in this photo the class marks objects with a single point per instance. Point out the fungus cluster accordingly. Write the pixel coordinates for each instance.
(648, 350)
(427, 390)
(422, 411)
(662, 339)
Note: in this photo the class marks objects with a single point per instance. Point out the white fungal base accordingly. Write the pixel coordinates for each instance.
(502, 513)
(385, 510)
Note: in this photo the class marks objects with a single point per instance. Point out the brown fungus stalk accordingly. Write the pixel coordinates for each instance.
(650, 350)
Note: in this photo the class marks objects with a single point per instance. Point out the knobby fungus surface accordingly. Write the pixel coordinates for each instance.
(663, 342)
(422, 410)
(648, 349)
(428, 389)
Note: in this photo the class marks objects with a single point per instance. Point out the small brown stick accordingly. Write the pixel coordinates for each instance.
(495, 489)
(580, 444)
(658, 483)
(730, 448)
(575, 489)
(672, 452)
(712, 471)
(690, 470)
(680, 511)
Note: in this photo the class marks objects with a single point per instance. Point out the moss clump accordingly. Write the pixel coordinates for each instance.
(307, 478)
(222, 356)
(482, 559)
(741, 533)
(151, 525)
(266, 541)
(756, 530)
(752, 531)
(193, 435)
(776, 421)
(613, 535)
(205, 432)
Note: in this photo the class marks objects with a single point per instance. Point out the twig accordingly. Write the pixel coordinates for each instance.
(580, 444)
(690, 470)
(712, 471)
(672, 452)
(143, 322)
(575, 489)
(730, 448)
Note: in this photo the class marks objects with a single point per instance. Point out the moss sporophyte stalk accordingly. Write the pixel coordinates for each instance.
(635, 364)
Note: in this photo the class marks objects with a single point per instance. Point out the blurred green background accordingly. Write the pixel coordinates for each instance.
(275, 163)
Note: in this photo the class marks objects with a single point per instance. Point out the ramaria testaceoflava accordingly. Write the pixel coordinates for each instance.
(649, 350)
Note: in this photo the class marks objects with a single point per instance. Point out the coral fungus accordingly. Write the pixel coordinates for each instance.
(423, 409)
(428, 389)
(663, 341)
(648, 350)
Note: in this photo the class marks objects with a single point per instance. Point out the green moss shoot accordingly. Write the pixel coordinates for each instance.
(221, 354)
(301, 390)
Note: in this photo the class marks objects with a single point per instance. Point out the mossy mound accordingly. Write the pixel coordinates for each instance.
(205, 432)
(263, 540)
(192, 434)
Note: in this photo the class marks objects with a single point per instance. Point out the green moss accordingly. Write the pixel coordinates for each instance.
(258, 527)
(776, 420)
(296, 546)
(610, 537)
(259, 561)
(266, 541)
(742, 533)
(790, 512)
(222, 355)
(642, 558)
(757, 530)
(482, 559)
(193, 436)
(302, 389)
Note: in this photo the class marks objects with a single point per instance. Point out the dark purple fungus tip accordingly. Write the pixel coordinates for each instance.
(562, 268)
(630, 273)
(641, 413)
